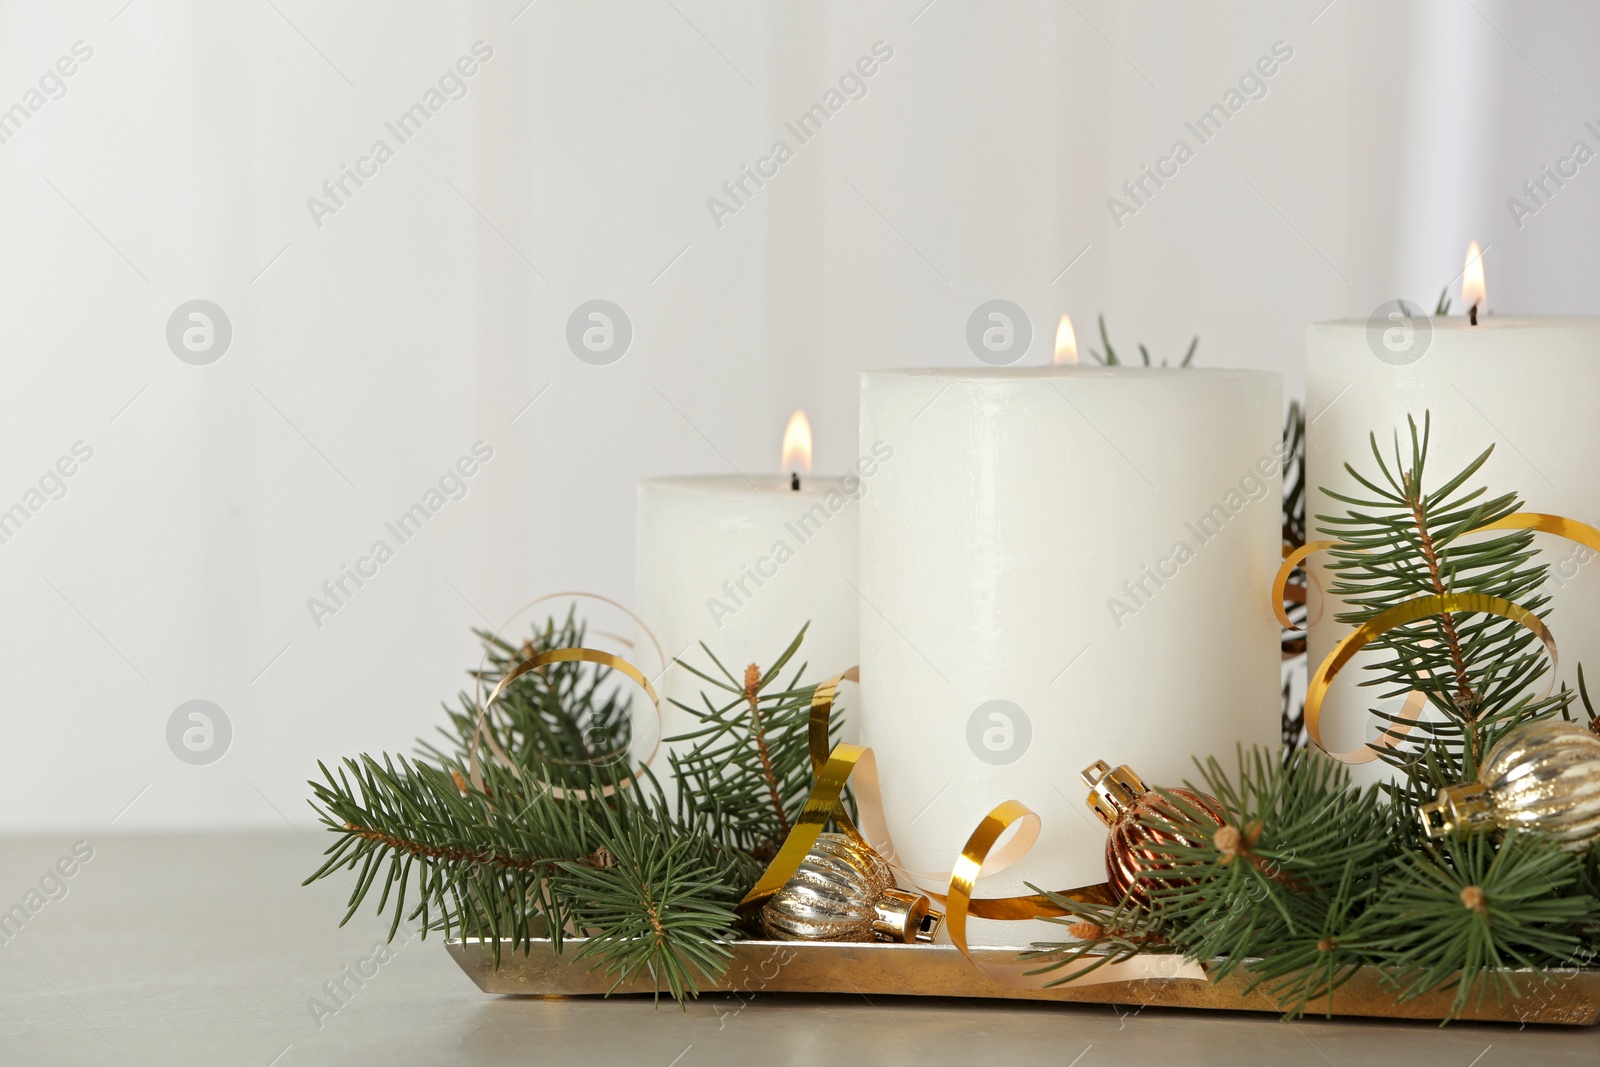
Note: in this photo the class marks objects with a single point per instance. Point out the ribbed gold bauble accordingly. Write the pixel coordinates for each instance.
(1543, 778)
(843, 891)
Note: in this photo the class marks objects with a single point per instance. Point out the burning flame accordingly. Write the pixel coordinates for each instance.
(797, 444)
(1473, 293)
(1066, 342)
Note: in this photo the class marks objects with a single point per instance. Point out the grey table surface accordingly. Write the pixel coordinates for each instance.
(190, 949)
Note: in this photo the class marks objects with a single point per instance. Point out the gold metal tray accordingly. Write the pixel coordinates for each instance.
(1566, 997)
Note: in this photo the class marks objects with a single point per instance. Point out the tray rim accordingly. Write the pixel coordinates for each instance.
(536, 969)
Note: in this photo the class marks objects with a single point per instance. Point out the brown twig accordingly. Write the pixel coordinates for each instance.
(655, 920)
(752, 693)
(440, 852)
(1465, 700)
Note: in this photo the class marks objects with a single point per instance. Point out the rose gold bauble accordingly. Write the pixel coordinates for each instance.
(1120, 797)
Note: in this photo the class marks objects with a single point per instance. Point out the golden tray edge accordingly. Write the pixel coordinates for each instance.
(1569, 998)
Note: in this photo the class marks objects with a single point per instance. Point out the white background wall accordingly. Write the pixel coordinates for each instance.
(372, 351)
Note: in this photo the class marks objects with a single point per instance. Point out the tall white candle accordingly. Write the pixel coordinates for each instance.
(1524, 385)
(1062, 564)
(741, 564)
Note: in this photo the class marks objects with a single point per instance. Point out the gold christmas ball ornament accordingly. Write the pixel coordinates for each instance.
(1120, 797)
(1543, 778)
(844, 891)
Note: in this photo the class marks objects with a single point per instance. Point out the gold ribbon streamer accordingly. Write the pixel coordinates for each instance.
(969, 865)
(1280, 582)
(1560, 525)
(869, 806)
(959, 903)
(578, 594)
(1322, 679)
(820, 805)
(1411, 611)
(481, 733)
(834, 768)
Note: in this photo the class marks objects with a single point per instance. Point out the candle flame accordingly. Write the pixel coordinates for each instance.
(1473, 293)
(1066, 342)
(797, 444)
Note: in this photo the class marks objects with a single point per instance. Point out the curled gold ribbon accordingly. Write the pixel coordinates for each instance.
(821, 804)
(1411, 611)
(481, 733)
(869, 806)
(578, 594)
(959, 903)
(969, 865)
(1559, 525)
(831, 772)
(1280, 582)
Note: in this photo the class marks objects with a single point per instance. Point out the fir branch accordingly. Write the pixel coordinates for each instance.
(412, 847)
(476, 871)
(748, 771)
(547, 847)
(1403, 539)
(1276, 871)
(1311, 962)
(555, 721)
(1464, 915)
(657, 908)
(1588, 706)
(1101, 934)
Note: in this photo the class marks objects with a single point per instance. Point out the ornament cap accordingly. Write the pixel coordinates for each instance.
(1458, 808)
(1112, 793)
(904, 917)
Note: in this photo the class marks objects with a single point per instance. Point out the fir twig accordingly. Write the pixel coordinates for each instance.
(1109, 358)
(748, 770)
(1404, 538)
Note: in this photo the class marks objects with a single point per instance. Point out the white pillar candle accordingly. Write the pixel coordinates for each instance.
(741, 565)
(1525, 386)
(1062, 564)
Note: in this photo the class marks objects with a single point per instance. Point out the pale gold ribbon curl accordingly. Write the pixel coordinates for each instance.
(481, 733)
(578, 594)
(1412, 611)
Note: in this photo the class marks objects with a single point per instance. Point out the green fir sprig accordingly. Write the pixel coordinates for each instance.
(748, 771)
(1109, 357)
(565, 839)
(1404, 538)
(1466, 913)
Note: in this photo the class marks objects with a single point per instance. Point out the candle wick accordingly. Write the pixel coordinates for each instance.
(794, 481)
(1472, 314)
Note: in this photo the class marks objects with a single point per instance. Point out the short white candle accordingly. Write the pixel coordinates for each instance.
(1062, 564)
(741, 564)
(1524, 385)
